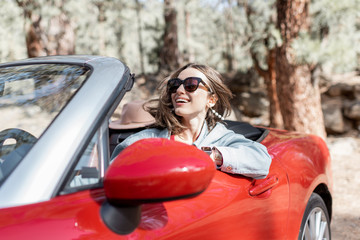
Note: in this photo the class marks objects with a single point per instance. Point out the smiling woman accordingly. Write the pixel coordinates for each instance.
(193, 102)
(212, 89)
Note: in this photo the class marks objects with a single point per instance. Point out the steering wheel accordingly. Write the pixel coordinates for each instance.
(9, 159)
(19, 135)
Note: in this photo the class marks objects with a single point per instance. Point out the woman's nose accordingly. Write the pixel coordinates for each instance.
(181, 89)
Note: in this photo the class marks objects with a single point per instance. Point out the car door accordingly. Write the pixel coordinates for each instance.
(233, 207)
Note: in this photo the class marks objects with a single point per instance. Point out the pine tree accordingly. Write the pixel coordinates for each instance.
(299, 96)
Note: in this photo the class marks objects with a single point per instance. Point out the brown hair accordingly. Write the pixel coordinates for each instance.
(163, 110)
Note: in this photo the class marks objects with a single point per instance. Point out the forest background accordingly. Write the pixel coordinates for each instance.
(264, 48)
(291, 64)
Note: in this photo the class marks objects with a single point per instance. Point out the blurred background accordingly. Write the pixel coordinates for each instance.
(291, 64)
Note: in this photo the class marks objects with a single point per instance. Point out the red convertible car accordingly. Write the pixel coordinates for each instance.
(56, 180)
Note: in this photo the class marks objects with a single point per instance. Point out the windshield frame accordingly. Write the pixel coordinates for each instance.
(43, 171)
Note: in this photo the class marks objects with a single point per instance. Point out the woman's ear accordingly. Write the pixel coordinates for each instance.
(212, 100)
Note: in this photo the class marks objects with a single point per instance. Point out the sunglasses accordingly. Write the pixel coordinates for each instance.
(190, 84)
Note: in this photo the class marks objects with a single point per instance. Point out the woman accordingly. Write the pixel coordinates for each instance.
(192, 103)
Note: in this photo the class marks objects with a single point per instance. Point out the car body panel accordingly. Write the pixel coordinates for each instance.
(306, 160)
(226, 202)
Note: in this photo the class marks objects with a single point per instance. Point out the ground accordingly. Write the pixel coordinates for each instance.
(345, 154)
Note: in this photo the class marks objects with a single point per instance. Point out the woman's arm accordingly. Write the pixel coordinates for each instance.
(249, 159)
(239, 154)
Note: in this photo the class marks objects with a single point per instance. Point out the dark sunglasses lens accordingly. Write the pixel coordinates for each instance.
(173, 85)
(191, 84)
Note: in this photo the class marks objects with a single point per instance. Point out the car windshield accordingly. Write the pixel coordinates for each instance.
(31, 96)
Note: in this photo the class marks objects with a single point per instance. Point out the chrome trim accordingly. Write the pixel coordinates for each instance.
(103, 147)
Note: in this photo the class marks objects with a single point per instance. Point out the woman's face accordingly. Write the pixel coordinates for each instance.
(190, 105)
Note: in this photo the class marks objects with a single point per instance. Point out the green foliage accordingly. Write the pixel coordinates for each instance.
(219, 30)
(152, 21)
(261, 29)
(98, 32)
(12, 38)
(155, 32)
(215, 26)
(203, 23)
(333, 40)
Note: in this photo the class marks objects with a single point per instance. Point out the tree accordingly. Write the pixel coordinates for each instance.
(330, 42)
(229, 31)
(188, 51)
(299, 95)
(264, 39)
(47, 36)
(169, 57)
(101, 20)
(139, 30)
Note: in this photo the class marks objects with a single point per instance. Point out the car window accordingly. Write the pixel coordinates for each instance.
(31, 96)
(87, 170)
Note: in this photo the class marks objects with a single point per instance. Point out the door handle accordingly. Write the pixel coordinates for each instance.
(267, 184)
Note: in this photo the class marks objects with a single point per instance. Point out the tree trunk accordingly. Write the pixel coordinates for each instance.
(299, 97)
(269, 75)
(169, 56)
(57, 39)
(276, 119)
(34, 44)
(60, 36)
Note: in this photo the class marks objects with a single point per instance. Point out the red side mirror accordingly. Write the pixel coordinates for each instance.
(158, 169)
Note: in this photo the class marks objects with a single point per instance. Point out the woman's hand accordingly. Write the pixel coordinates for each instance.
(216, 156)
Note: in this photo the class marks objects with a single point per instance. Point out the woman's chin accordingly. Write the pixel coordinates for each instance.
(179, 112)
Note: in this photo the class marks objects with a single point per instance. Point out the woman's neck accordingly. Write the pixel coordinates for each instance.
(192, 132)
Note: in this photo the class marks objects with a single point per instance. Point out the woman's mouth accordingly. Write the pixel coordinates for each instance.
(181, 100)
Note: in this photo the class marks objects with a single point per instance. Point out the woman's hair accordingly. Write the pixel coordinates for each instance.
(163, 111)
